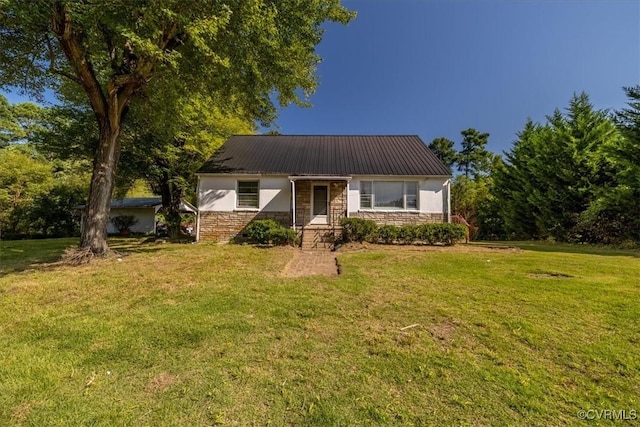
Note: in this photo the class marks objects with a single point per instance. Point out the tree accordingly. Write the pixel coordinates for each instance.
(444, 150)
(24, 175)
(556, 171)
(515, 181)
(19, 122)
(166, 149)
(164, 140)
(241, 51)
(627, 153)
(614, 217)
(473, 199)
(474, 159)
(8, 124)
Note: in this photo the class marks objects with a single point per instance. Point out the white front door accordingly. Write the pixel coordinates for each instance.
(320, 204)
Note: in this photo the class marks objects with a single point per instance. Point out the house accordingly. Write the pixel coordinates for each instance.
(143, 209)
(312, 182)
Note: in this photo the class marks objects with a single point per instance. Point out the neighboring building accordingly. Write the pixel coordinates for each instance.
(143, 209)
(311, 182)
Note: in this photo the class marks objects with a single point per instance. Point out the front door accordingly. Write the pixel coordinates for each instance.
(320, 204)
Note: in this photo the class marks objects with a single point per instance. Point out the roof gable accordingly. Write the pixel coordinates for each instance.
(404, 155)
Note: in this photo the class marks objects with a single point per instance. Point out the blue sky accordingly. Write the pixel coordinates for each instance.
(436, 67)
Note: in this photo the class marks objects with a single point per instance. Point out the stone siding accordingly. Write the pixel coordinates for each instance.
(399, 218)
(224, 226)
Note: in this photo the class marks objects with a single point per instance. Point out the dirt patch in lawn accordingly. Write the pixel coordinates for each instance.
(443, 331)
(161, 382)
(20, 413)
(539, 274)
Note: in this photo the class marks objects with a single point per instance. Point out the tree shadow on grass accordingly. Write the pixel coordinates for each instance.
(562, 247)
(20, 255)
(44, 254)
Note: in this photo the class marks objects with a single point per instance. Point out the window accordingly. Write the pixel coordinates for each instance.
(388, 195)
(365, 194)
(411, 195)
(248, 194)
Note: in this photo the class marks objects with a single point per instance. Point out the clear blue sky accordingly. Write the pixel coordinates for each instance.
(436, 67)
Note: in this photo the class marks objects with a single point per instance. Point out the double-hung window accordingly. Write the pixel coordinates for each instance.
(248, 192)
(388, 195)
(366, 194)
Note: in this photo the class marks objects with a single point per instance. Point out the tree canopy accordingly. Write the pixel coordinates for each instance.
(246, 53)
(557, 171)
(444, 149)
(474, 158)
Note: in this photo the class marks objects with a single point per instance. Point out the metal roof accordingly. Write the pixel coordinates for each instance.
(136, 202)
(325, 155)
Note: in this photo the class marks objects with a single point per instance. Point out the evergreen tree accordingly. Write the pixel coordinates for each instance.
(443, 148)
(556, 171)
(474, 159)
(614, 217)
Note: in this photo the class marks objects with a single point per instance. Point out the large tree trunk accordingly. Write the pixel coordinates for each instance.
(171, 196)
(94, 230)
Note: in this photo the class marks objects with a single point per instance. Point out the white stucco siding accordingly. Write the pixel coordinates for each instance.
(432, 195)
(219, 193)
(354, 195)
(432, 198)
(146, 220)
(275, 194)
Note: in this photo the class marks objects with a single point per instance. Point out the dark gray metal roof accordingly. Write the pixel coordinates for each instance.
(325, 155)
(136, 202)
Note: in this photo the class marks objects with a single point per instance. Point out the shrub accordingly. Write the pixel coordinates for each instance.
(454, 232)
(408, 233)
(387, 233)
(257, 230)
(446, 234)
(358, 229)
(266, 231)
(282, 236)
(124, 223)
(425, 232)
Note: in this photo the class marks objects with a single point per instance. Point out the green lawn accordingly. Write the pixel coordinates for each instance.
(212, 335)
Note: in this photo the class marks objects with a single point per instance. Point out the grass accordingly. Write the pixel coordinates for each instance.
(213, 335)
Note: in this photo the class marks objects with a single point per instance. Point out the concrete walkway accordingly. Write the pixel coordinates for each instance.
(309, 263)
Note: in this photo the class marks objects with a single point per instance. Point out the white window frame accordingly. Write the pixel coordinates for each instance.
(404, 197)
(247, 208)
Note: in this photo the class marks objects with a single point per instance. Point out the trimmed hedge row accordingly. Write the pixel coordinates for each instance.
(269, 231)
(364, 230)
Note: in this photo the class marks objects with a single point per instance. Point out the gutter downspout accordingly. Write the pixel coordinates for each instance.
(449, 201)
(347, 199)
(293, 203)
